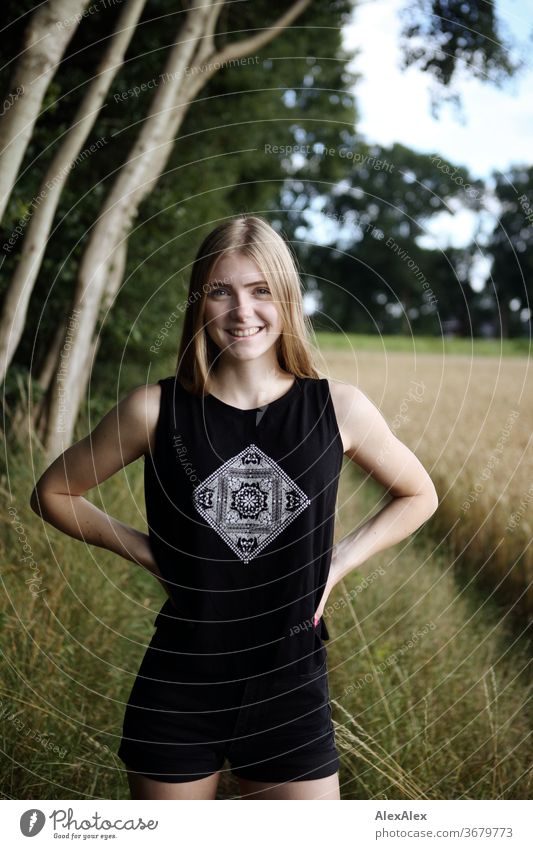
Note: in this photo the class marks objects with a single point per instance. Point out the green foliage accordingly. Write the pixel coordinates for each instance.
(446, 37)
(511, 246)
(228, 159)
(373, 273)
(217, 168)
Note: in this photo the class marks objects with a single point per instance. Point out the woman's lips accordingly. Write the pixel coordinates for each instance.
(248, 336)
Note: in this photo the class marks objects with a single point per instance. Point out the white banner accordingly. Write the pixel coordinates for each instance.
(356, 824)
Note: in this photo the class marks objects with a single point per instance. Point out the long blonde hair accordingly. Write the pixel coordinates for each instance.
(255, 238)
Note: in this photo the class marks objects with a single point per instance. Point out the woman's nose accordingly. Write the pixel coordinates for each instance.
(241, 305)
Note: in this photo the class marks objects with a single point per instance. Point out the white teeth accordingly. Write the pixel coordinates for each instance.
(250, 332)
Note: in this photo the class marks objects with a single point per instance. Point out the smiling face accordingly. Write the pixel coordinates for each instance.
(241, 315)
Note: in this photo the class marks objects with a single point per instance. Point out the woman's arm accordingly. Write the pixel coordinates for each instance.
(369, 442)
(125, 433)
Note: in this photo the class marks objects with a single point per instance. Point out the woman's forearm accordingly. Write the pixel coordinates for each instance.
(76, 516)
(399, 518)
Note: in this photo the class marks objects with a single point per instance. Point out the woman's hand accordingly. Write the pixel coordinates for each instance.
(334, 576)
(141, 552)
(143, 555)
(320, 609)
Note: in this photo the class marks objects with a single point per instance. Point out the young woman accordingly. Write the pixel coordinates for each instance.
(243, 448)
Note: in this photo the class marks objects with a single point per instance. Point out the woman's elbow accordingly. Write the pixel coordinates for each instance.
(37, 501)
(34, 504)
(431, 497)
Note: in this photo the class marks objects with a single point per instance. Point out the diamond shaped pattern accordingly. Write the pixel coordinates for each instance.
(248, 501)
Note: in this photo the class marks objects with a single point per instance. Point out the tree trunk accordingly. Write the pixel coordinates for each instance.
(39, 412)
(136, 179)
(49, 31)
(115, 279)
(69, 381)
(35, 414)
(17, 298)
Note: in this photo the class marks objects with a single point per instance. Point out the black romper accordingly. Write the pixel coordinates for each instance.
(240, 507)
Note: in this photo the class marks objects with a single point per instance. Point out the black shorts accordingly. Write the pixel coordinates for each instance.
(275, 727)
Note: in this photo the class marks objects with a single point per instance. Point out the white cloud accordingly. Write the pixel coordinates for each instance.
(445, 230)
(395, 105)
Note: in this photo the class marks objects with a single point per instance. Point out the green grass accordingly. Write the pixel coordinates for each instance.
(423, 345)
(70, 653)
(444, 718)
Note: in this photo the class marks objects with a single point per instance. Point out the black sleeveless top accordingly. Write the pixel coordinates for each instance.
(241, 507)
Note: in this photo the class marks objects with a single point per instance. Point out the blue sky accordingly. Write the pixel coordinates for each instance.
(495, 132)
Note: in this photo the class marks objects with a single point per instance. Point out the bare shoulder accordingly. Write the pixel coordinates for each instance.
(141, 410)
(350, 405)
(369, 442)
(125, 433)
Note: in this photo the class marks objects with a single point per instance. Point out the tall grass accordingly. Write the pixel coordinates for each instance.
(448, 716)
(443, 346)
(70, 652)
(470, 422)
(429, 681)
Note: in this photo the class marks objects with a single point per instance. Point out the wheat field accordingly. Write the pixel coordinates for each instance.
(470, 422)
(429, 663)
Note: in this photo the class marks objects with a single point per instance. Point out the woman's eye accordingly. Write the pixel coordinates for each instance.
(221, 289)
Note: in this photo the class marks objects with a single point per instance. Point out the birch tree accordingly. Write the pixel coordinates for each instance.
(15, 307)
(49, 31)
(194, 47)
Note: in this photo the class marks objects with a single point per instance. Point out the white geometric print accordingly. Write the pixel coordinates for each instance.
(249, 500)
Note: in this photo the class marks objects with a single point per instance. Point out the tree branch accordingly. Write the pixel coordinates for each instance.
(255, 42)
(236, 51)
(207, 45)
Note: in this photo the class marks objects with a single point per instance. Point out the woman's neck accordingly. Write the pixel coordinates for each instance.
(249, 388)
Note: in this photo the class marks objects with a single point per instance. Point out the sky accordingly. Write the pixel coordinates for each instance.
(494, 132)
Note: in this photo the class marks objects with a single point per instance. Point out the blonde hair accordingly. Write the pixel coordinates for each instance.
(255, 238)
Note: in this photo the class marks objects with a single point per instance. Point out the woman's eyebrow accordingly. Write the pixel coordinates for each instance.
(223, 283)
